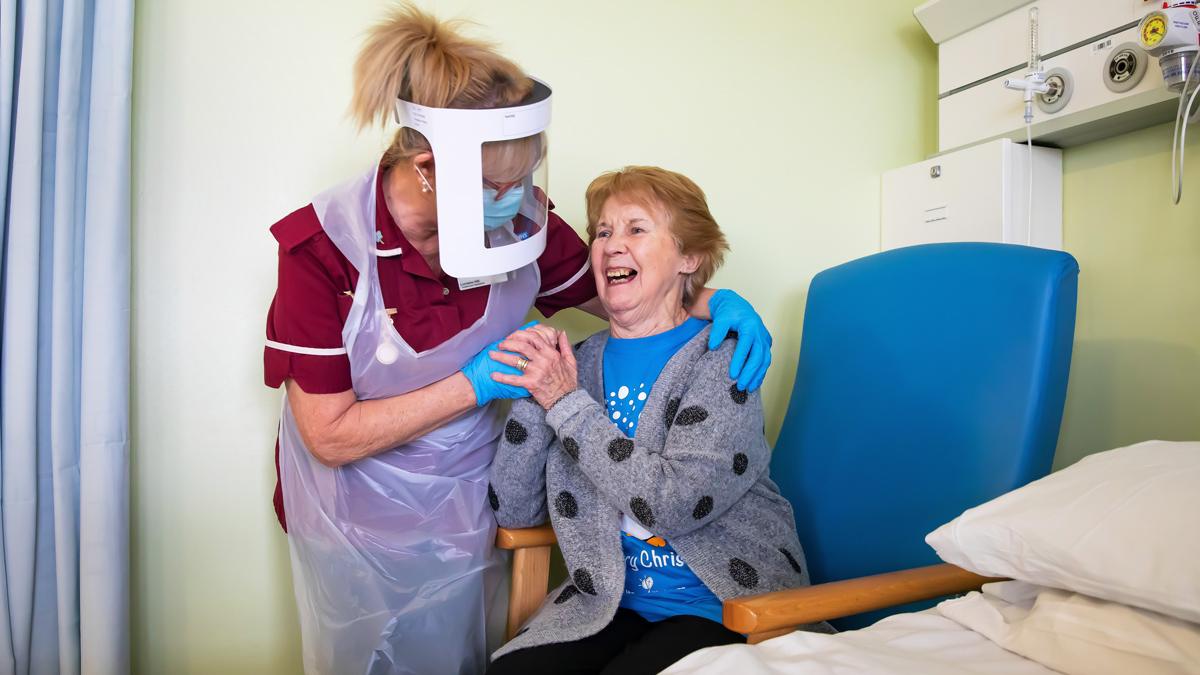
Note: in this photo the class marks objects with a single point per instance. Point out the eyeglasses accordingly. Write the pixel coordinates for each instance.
(500, 188)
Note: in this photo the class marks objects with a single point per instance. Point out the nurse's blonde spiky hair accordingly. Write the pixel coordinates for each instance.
(413, 55)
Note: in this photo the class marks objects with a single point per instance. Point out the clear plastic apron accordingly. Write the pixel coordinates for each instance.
(392, 556)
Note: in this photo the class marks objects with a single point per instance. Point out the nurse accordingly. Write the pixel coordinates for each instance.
(392, 289)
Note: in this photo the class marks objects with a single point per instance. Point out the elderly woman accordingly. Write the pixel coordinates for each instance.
(659, 519)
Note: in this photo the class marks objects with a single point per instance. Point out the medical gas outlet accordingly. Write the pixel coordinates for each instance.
(1059, 85)
(1125, 68)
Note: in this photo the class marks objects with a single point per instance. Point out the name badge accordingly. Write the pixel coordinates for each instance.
(476, 282)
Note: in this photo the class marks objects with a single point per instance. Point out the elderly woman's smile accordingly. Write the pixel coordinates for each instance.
(619, 275)
(639, 268)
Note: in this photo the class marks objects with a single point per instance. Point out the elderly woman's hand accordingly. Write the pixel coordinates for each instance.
(548, 362)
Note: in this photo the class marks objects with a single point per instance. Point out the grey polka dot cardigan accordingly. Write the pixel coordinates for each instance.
(696, 474)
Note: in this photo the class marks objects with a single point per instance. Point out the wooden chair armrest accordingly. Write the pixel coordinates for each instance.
(530, 571)
(773, 612)
(526, 537)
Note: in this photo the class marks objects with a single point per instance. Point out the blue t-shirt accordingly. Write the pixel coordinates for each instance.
(658, 583)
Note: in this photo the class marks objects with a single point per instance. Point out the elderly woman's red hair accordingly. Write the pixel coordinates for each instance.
(678, 198)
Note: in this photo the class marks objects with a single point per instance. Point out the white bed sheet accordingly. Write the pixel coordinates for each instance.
(924, 643)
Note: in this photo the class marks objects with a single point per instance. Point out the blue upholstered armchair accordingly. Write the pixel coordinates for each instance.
(931, 379)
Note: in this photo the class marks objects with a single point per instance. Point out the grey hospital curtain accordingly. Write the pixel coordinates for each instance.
(65, 85)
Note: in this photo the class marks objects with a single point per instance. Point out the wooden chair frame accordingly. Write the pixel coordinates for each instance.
(760, 617)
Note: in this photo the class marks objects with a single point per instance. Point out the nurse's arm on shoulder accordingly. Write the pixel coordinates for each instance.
(339, 429)
(730, 313)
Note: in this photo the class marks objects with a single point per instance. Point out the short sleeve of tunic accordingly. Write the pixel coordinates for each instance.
(566, 276)
(304, 323)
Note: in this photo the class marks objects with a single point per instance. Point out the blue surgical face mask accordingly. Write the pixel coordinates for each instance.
(498, 212)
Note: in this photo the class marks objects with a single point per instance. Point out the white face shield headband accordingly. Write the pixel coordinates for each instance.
(491, 182)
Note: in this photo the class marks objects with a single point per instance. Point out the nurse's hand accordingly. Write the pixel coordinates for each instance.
(752, 356)
(479, 371)
(550, 371)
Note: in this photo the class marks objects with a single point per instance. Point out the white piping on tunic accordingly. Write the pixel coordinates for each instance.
(310, 351)
(567, 284)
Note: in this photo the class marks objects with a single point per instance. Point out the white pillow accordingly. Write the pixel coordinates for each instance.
(1078, 635)
(1122, 525)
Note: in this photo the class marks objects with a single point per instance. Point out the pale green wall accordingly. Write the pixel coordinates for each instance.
(1135, 374)
(238, 119)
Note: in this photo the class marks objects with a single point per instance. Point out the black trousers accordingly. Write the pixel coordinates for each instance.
(627, 646)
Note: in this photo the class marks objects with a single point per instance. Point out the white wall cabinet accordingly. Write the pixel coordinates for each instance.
(978, 193)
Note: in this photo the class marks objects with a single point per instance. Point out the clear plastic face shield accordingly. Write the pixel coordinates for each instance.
(491, 182)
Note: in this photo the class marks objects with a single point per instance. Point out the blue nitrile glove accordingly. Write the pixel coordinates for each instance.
(752, 356)
(479, 373)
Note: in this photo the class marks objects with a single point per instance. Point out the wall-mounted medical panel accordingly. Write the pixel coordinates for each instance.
(1002, 44)
(979, 193)
(1093, 110)
(1111, 85)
